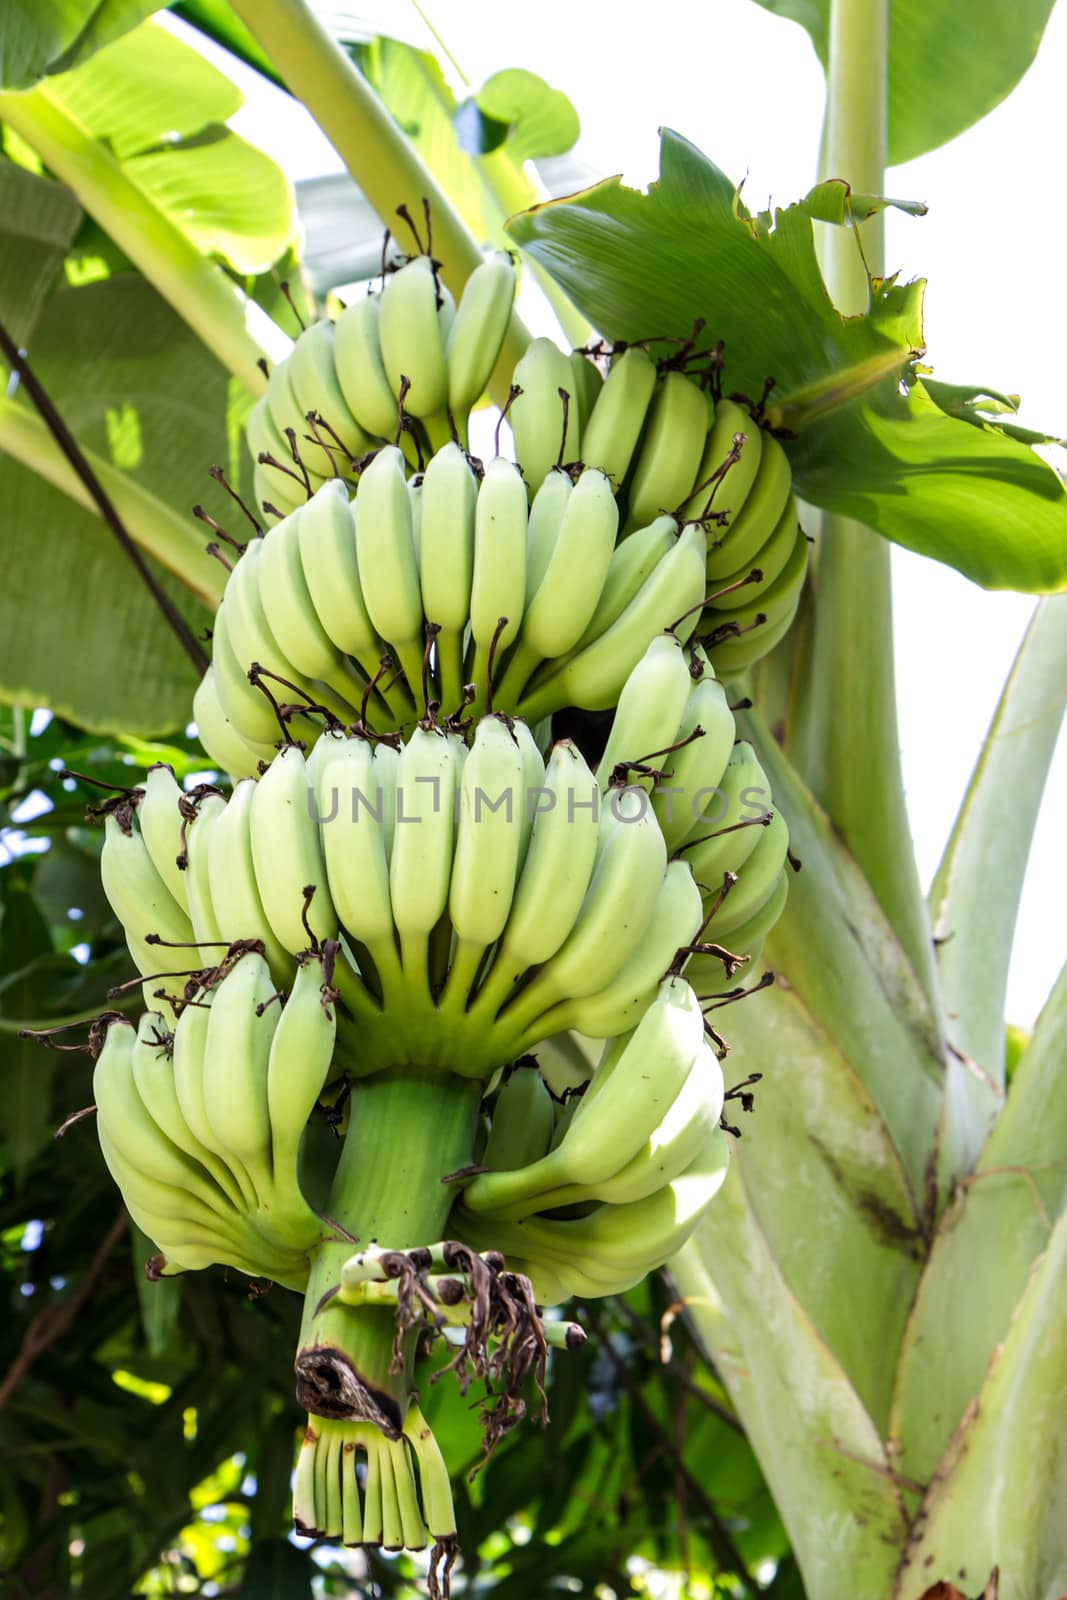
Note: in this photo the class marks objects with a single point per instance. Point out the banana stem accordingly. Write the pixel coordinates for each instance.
(197, 288)
(379, 157)
(846, 741)
(407, 1130)
(153, 526)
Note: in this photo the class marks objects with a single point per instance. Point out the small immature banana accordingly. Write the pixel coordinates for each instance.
(385, 552)
(730, 824)
(357, 355)
(420, 866)
(355, 792)
(328, 556)
(671, 449)
(588, 382)
(144, 905)
(206, 929)
(411, 338)
(489, 833)
(301, 1054)
(294, 620)
(161, 827)
(242, 1019)
(317, 390)
(559, 609)
(236, 902)
(610, 437)
(287, 854)
(523, 1121)
(478, 332)
(728, 495)
(232, 751)
(650, 708)
(751, 526)
(694, 770)
(153, 1074)
(762, 621)
(498, 584)
(674, 921)
(542, 438)
(446, 559)
(756, 882)
(614, 916)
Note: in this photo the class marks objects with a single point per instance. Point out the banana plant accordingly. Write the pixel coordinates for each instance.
(881, 1282)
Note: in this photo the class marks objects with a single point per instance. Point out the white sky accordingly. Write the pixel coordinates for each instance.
(746, 88)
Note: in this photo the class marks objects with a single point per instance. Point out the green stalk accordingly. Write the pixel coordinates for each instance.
(153, 526)
(197, 288)
(407, 1130)
(847, 743)
(382, 161)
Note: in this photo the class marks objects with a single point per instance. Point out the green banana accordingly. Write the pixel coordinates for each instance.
(331, 571)
(198, 828)
(161, 827)
(298, 1066)
(751, 525)
(649, 710)
(446, 564)
(762, 621)
(670, 451)
(317, 390)
(229, 749)
(355, 787)
(729, 496)
(287, 854)
(542, 439)
(498, 583)
(756, 882)
(698, 766)
(613, 918)
(478, 332)
(153, 1075)
(523, 1121)
(294, 620)
(420, 866)
(609, 438)
(559, 608)
(730, 823)
(588, 382)
(236, 902)
(385, 553)
(411, 338)
(241, 1022)
(360, 369)
(489, 831)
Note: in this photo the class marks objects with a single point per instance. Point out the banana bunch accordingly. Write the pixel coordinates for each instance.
(405, 366)
(383, 1504)
(486, 900)
(590, 1200)
(669, 448)
(200, 1123)
(457, 582)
